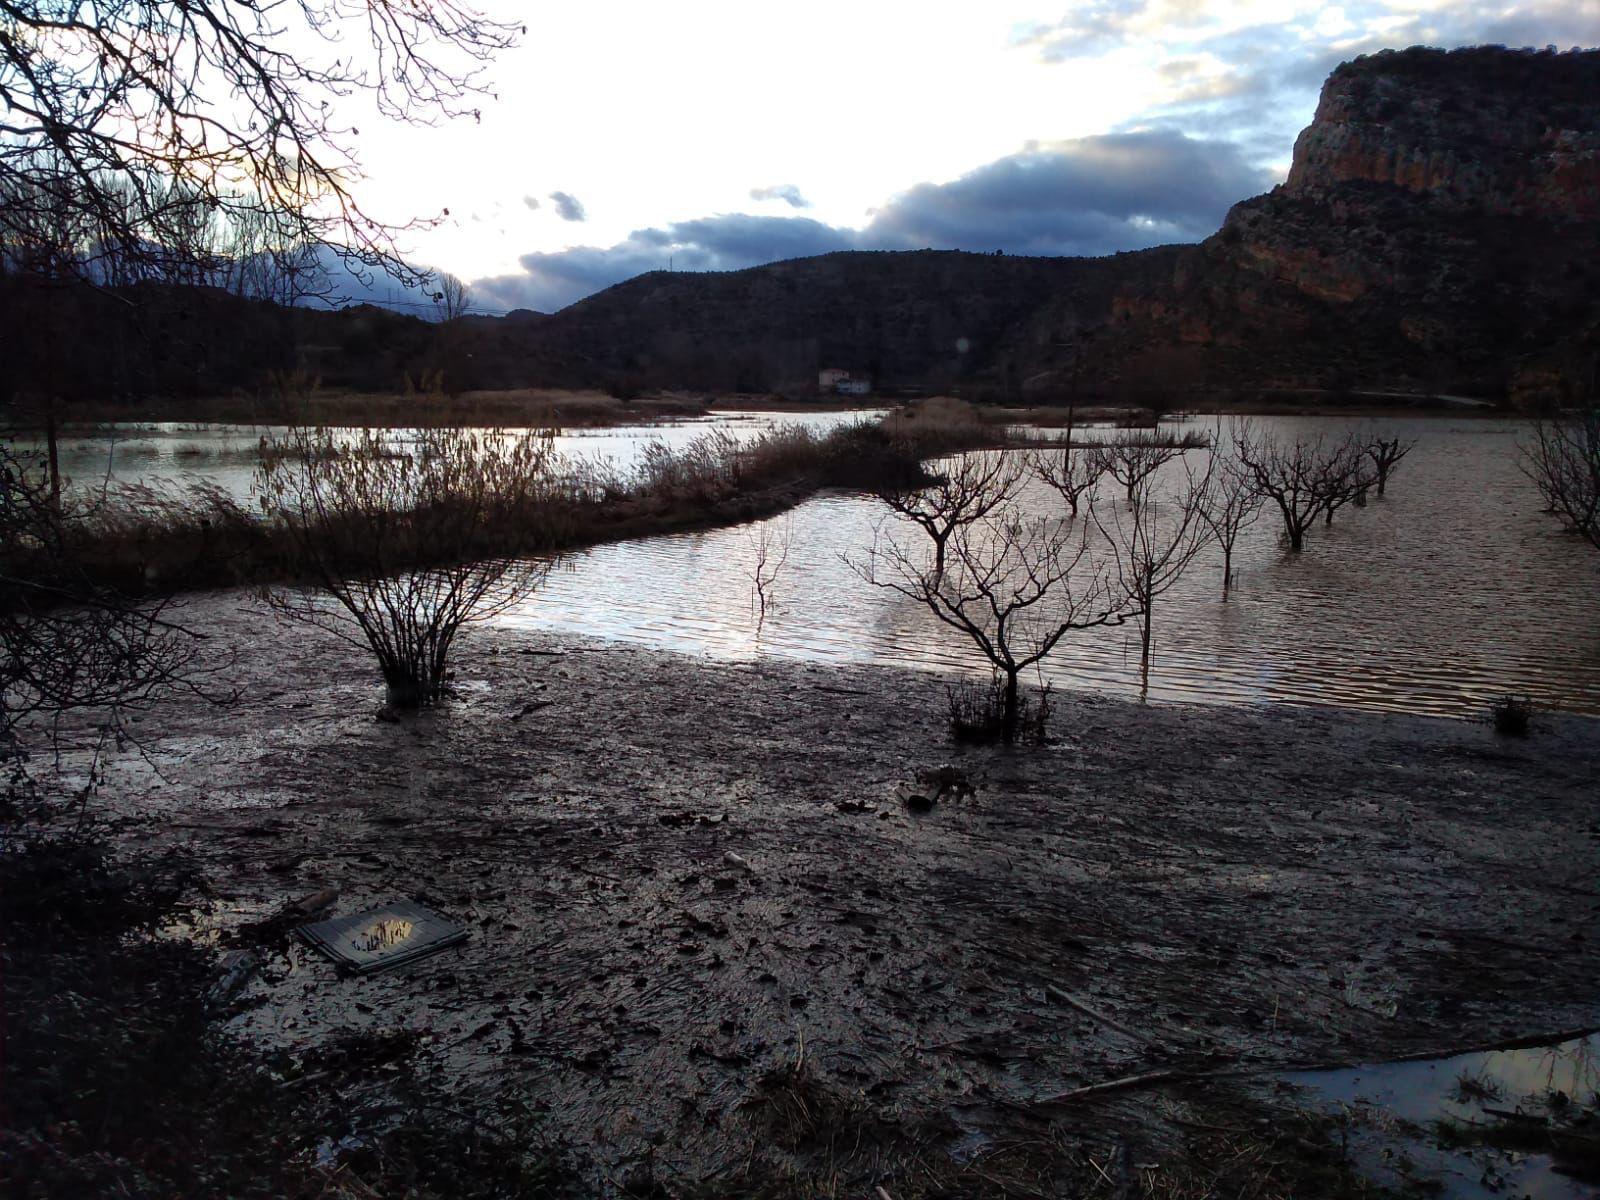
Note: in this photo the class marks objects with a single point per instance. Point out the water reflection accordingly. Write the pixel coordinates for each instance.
(1450, 591)
(1518, 1122)
(181, 453)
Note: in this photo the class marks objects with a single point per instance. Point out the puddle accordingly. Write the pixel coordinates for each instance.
(1500, 1123)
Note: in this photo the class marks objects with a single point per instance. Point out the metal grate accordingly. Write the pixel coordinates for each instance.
(384, 937)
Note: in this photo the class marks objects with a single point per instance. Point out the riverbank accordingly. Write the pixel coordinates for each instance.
(521, 408)
(1161, 890)
(589, 409)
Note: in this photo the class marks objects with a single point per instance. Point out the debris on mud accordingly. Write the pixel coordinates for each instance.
(686, 875)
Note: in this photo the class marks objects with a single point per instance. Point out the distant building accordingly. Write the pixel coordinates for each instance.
(839, 382)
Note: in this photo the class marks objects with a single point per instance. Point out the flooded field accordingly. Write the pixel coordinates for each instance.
(1451, 591)
(179, 453)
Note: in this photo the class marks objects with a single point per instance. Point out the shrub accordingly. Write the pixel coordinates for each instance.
(1510, 715)
(413, 542)
(978, 712)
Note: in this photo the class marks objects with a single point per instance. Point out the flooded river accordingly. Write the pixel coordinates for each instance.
(1451, 591)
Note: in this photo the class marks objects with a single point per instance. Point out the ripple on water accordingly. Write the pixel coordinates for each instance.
(1452, 590)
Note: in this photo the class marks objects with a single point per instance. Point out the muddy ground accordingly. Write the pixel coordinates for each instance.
(1228, 888)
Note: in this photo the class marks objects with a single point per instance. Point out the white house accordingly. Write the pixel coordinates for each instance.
(840, 382)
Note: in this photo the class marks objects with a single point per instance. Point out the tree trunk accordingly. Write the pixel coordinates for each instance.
(1008, 717)
(53, 453)
(1227, 568)
(1144, 649)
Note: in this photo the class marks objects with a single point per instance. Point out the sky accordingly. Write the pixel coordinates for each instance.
(626, 137)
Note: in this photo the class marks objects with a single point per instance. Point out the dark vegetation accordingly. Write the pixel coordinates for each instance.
(152, 540)
(979, 712)
(1563, 461)
(1511, 716)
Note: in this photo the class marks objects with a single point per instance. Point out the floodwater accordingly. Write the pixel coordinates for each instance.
(1451, 591)
(179, 453)
(1496, 1123)
(1448, 593)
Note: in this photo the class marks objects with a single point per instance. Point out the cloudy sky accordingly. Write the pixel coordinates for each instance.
(712, 135)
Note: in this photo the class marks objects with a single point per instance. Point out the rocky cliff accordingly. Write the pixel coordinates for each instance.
(1439, 231)
(1481, 131)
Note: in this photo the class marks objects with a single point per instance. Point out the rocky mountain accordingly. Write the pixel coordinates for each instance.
(1437, 232)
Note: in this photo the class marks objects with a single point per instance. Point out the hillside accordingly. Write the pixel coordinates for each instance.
(1439, 231)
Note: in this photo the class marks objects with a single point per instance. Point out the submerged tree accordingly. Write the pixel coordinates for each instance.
(1135, 458)
(1386, 454)
(1563, 461)
(1153, 540)
(969, 489)
(1306, 478)
(1230, 506)
(411, 542)
(1072, 473)
(769, 554)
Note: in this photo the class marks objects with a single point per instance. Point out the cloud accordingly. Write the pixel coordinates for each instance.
(554, 279)
(1250, 70)
(532, 202)
(1088, 196)
(787, 192)
(567, 206)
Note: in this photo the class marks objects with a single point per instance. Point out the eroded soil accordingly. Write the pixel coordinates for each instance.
(1232, 888)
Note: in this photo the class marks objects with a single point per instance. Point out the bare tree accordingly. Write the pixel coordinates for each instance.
(1134, 458)
(371, 522)
(1231, 505)
(769, 550)
(1307, 478)
(1153, 540)
(971, 488)
(141, 115)
(1563, 461)
(1014, 585)
(69, 643)
(1072, 473)
(452, 296)
(1386, 454)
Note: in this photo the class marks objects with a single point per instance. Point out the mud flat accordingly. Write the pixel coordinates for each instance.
(692, 885)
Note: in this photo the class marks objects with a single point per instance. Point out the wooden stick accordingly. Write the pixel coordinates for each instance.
(1118, 1085)
(1070, 1002)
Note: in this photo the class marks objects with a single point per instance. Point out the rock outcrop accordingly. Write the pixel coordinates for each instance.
(1439, 231)
(1482, 131)
(1440, 226)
